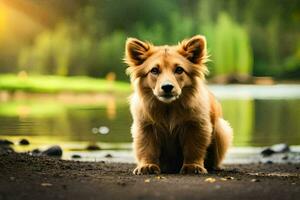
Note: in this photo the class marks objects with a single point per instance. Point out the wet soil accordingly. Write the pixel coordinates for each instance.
(29, 177)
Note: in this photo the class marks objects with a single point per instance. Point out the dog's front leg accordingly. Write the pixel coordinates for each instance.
(194, 140)
(147, 151)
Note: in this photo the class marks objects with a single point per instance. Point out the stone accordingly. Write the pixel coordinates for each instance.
(108, 155)
(24, 142)
(76, 156)
(53, 151)
(93, 147)
(277, 148)
(6, 142)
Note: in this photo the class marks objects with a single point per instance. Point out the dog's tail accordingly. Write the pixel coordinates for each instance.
(221, 141)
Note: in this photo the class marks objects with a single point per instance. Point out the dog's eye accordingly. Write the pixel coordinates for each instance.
(179, 70)
(155, 70)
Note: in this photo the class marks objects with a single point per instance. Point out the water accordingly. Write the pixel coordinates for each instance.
(259, 115)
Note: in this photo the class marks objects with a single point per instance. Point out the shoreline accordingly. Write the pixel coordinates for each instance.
(28, 177)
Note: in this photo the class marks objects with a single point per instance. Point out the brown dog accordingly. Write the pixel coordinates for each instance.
(177, 122)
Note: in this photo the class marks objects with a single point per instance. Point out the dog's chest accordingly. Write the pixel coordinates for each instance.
(171, 157)
(170, 118)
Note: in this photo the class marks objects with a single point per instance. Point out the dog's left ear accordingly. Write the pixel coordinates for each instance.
(136, 51)
(194, 49)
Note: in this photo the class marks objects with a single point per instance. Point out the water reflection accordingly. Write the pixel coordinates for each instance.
(256, 122)
(263, 122)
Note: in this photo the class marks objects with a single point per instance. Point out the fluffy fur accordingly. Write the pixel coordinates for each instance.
(177, 130)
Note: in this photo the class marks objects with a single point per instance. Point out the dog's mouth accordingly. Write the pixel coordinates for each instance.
(167, 98)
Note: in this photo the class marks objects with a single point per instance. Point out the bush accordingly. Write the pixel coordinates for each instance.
(231, 51)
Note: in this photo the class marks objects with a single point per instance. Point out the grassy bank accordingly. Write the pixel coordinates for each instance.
(56, 84)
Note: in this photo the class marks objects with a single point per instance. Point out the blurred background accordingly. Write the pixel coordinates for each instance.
(63, 81)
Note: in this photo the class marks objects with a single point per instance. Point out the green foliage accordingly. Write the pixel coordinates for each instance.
(292, 64)
(231, 52)
(110, 55)
(243, 36)
(62, 51)
(170, 33)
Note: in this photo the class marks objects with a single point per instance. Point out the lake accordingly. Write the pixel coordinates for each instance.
(259, 115)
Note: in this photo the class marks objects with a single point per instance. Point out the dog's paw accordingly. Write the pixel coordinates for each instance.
(147, 169)
(193, 169)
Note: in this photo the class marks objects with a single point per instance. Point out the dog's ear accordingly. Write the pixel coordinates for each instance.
(194, 49)
(136, 51)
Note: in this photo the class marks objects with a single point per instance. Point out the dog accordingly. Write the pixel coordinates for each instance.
(177, 122)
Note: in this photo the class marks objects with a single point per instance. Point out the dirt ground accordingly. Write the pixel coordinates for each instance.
(26, 177)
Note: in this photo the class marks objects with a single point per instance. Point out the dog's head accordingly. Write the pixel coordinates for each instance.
(166, 70)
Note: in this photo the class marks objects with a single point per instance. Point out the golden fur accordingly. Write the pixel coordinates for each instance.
(181, 130)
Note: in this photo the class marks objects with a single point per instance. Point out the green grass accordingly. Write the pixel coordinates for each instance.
(56, 84)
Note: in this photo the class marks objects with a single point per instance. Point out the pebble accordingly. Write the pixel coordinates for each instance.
(267, 152)
(285, 157)
(53, 151)
(76, 156)
(255, 180)
(277, 148)
(46, 184)
(35, 152)
(269, 162)
(147, 180)
(93, 147)
(210, 180)
(6, 142)
(108, 155)
(24, 142)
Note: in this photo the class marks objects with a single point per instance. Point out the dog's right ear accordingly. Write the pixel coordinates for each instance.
(136, 51)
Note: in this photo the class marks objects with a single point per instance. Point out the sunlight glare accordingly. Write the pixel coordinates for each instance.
(3, 15)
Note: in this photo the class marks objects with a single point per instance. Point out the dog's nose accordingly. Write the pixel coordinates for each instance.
(167, 88)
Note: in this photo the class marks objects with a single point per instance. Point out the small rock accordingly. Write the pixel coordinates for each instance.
(160, 177)
(277, 148)
(46, 184)
(53, 151)
(35, 152)
(147, 180)
(6, 142)
(269, 162)
(255, 180)
(267, 152)
(24, 142)
(285, 157)
(93, 147)
(76, 156)
(210, 180)
(108, 155)
(229, 177)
